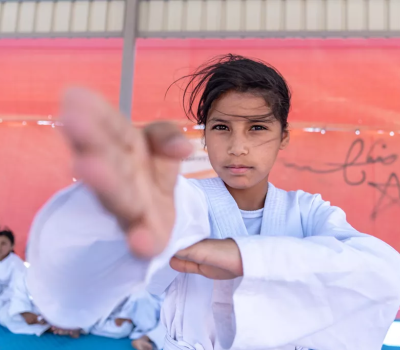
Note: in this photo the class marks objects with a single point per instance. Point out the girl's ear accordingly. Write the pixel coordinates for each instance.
(285, 140)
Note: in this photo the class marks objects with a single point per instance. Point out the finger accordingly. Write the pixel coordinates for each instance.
(89, 140)
(184, 266)
(223, 254)
(203, 252)
(80, 116)
(211, 272)
(165, 139)
(80, 106)
(94, 129)
(150, 237)
(91, 125)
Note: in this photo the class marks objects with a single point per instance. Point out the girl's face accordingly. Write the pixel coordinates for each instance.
(242, 141)
(5, 247)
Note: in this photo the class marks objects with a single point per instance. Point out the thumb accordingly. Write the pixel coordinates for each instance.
(165, 139)
(168, 146)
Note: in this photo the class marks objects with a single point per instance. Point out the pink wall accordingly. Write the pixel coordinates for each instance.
(347, 82)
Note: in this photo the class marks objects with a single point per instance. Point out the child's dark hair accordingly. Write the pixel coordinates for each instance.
(235, 73)
(6, 232)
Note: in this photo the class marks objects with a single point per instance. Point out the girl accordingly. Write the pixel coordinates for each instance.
(11, 264)
(19, 314)
(280, 270)
(17, 311)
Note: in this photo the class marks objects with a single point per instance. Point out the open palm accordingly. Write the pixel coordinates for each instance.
(132, 171)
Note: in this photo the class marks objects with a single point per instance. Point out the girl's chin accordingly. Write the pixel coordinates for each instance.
(237, 182)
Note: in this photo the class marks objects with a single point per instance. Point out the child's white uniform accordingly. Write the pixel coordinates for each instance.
(20, 302)
(10, 268)
(156, 335)
(310, 280)
(143, 309)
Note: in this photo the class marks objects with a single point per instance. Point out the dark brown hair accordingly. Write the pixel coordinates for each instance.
(235, 73)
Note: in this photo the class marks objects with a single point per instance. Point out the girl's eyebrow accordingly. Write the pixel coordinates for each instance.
(217, 120)
(268, 119)
(260, 118)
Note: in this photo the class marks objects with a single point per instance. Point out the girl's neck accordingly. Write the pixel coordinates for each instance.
(250, 198)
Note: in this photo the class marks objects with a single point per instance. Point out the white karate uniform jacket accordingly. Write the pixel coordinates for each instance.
(20, 301)
(10, 267)
(310, 279)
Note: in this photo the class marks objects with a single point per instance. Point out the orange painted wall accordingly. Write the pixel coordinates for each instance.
(347, 84)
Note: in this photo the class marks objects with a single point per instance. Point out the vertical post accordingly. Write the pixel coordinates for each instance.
(387, 15)
(128, 56)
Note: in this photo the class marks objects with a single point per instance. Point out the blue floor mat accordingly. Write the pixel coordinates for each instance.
(9, 341)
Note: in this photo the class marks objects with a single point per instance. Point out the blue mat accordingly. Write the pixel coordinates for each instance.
(9, 341)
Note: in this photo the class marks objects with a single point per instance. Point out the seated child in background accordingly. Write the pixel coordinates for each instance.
(19, 314)
(137, 317)
(10, 264)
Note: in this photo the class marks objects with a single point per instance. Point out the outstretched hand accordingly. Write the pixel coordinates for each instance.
(132, 171)
(212, 258)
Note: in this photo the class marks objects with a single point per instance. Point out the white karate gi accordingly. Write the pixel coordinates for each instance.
(10, 267)
(310, 280)
(21, 301)
(145, 312)
(143, 309)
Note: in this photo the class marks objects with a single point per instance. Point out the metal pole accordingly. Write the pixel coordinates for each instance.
(128, 56)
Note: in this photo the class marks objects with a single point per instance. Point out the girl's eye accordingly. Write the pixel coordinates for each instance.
(258, 127)
(220, 127)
